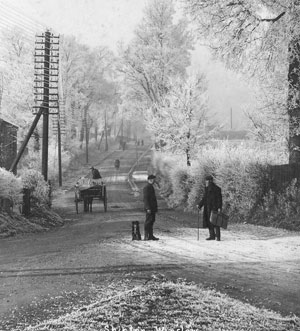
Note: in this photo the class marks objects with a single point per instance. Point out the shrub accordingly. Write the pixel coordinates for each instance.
(243, 186)
(66, 157)
(163, 165)
(39, 188)
(281, 209)
(10, 186)
(180, 180)
(33, 161)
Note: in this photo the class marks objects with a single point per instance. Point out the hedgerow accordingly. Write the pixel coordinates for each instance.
(243, 173)
(39, 188)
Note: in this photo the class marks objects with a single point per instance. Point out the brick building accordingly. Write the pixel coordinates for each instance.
(8, 143)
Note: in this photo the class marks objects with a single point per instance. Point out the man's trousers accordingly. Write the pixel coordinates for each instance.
(148, 229)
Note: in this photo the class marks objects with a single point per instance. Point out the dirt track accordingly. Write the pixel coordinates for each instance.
(254, 264)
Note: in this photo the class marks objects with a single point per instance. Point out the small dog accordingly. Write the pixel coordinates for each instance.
(136, 235)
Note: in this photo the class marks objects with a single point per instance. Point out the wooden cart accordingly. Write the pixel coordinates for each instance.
(88, 194)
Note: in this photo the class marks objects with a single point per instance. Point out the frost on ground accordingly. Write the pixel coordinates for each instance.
(163, 305)
(41, 219)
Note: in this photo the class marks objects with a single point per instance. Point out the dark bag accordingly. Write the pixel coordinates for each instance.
(219, 219)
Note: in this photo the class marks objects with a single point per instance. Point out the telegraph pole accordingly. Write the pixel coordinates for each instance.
(59, 153)
(46, 86)
(45, 92)
(45, 106)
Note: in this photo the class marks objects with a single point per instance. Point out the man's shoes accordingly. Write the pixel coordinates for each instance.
(210, 238)
(153, 238)
(218, 239)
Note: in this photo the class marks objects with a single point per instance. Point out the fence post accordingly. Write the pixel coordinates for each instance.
(26, 202)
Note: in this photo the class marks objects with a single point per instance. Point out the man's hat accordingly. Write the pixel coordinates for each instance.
(209, 177)
(151, 177)
(91, 167)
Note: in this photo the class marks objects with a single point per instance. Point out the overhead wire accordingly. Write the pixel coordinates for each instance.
(31, 29)
(16, 12)
(13, 22)
(18, 23)
(12, 18)
(26, 35)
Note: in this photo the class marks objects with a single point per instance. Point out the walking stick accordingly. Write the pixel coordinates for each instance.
(198, 224)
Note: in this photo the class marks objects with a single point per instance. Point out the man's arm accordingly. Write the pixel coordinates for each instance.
(201, 203)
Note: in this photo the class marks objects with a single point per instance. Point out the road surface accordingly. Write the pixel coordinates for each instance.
(43, 275)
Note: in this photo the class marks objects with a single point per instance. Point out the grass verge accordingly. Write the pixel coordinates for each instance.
(163, 305)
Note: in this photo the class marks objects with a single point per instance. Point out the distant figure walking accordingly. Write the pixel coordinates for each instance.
(150, 205)
(211, 201)
(117, 164)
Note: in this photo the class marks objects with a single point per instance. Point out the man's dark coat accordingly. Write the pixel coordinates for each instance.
(211, 201)
(96, 174)
(150, 202)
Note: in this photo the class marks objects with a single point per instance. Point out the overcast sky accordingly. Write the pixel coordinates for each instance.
(107, 22)
(95, 22)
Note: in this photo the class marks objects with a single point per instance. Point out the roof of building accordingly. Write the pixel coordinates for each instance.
(8, 122)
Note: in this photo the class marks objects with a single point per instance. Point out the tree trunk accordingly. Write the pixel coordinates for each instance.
(293, 102)
(81, 135)
(1, 90)
(96, 132)
(188, 158)
(87, 135)
(188, 150)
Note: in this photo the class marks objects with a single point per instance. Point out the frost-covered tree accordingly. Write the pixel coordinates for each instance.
(263, 38)
(87, 86)
(179, 121)
(158, 52)
(16, 75)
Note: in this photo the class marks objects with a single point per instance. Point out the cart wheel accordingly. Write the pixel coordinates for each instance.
(105, 199)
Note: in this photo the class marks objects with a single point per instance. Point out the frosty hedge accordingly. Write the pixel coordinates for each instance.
(244, 176)
(11, 187)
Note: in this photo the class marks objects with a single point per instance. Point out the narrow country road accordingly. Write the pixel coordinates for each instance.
(43, 275)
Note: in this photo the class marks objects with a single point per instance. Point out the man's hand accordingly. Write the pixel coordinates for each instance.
(148, 211)
(219, 210)
(198, 207)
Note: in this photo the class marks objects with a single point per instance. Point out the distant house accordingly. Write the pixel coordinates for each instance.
(8, 143)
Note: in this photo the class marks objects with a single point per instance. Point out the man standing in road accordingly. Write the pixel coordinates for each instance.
(211, 201)
(150, 205)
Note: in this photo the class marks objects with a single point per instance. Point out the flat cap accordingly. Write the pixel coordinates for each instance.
(151, 177)
(209, 177)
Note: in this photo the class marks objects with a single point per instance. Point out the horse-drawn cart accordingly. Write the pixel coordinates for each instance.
(89, 192)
